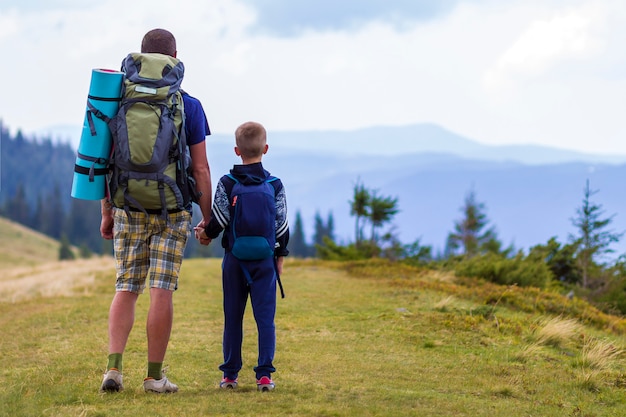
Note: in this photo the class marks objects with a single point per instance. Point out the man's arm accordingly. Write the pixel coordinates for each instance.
(202, 175)
(106, 224)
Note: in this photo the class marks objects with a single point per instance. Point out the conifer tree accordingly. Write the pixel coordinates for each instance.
(297, 240)
(469, 232)
(382, 210)
(65, 251)
(17, 208)
(593, 238)
(359, 207)
(330, 226)
(54, 214)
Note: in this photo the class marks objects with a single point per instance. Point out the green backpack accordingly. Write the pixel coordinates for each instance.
(150, 163)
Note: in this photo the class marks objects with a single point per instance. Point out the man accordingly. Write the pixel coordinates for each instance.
(149, 250)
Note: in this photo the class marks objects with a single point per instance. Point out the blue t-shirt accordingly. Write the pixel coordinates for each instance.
(196, 124)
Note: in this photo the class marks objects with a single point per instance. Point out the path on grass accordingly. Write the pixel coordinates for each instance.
(62, 278)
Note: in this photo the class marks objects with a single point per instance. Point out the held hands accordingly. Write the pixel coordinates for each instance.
(201, 234)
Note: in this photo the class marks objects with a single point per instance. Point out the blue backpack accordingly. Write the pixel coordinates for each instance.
(252, 234)
(253, 220)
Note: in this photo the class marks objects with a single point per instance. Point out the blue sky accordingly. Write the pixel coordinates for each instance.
(549, 72)
(290, 18)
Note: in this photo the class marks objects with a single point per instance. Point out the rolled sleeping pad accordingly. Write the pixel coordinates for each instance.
(94, 148)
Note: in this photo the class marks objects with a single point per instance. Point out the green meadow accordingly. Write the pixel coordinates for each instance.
(353, 339)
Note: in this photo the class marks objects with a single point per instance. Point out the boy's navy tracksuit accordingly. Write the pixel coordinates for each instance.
(240, 278)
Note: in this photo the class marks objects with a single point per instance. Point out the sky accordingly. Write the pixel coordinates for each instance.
(549, 72)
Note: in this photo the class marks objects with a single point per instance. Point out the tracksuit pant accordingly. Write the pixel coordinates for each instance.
(260, 283)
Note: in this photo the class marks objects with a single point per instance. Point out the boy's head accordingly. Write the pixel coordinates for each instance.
(159, 41)
(251, 140)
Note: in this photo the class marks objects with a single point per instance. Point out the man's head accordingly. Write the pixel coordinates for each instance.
(251, 140)
(159, 41)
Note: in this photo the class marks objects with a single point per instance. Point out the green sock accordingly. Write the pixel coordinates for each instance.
(154, 370)
(115, 361)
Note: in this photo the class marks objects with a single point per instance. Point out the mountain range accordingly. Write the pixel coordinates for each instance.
(530, 192)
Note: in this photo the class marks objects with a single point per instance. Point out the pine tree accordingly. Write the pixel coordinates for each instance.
(330, 226)
(297, 240)
(17, 208)
(468, 232)
(359, 207)
(593, 239)
(65, 251)
(320, 230)
(54, 214)
(382, 210)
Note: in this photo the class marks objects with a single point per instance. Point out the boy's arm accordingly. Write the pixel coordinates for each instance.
(220, 214)
(282, 225)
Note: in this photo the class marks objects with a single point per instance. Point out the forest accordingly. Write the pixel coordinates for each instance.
(36, 177)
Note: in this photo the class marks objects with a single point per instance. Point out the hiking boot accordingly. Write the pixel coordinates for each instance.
(228, 383)
(112, 381)
(159, 386)
(265, 384)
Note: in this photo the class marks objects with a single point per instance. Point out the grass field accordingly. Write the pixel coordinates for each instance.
(376, 340)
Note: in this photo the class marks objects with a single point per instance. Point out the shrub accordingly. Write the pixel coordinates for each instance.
(334, 252)
(506, 271)
(612, 298)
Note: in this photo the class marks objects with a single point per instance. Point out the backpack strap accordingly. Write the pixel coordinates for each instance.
(95, 112)
(92, 171)
(280, 283)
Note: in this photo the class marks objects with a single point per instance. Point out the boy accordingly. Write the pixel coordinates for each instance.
(256, 275)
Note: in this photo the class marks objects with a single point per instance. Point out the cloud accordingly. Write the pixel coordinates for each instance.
(364, 67)
(565, 36)
(8, 25)
(289, 17)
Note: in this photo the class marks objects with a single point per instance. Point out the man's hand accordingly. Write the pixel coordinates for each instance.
(106, 224)
(201, 234)
(106, 227)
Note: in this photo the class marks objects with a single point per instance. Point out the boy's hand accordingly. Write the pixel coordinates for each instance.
(201, 235)
(279, 264)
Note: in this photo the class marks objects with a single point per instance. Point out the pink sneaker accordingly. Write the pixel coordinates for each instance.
(265, 384)
(228, 383)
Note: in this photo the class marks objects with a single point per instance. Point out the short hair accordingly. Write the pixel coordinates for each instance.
(251, 138)
(159, 41)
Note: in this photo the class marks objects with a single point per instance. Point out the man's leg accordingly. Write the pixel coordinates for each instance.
(167, 246)
(121, 319)
(159, 325)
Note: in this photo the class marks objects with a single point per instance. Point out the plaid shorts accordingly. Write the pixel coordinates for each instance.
(146, 247)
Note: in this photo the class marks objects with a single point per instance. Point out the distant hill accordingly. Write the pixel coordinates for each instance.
(530, 192)
(527, 202)
(21, 246)
(418, 139)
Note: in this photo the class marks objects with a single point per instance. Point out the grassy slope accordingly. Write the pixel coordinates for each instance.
(388, 341)
(21, 246)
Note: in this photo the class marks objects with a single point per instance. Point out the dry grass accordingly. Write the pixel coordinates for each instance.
(445, 303)
(558, 332)
(51, 279)
(600, 354)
